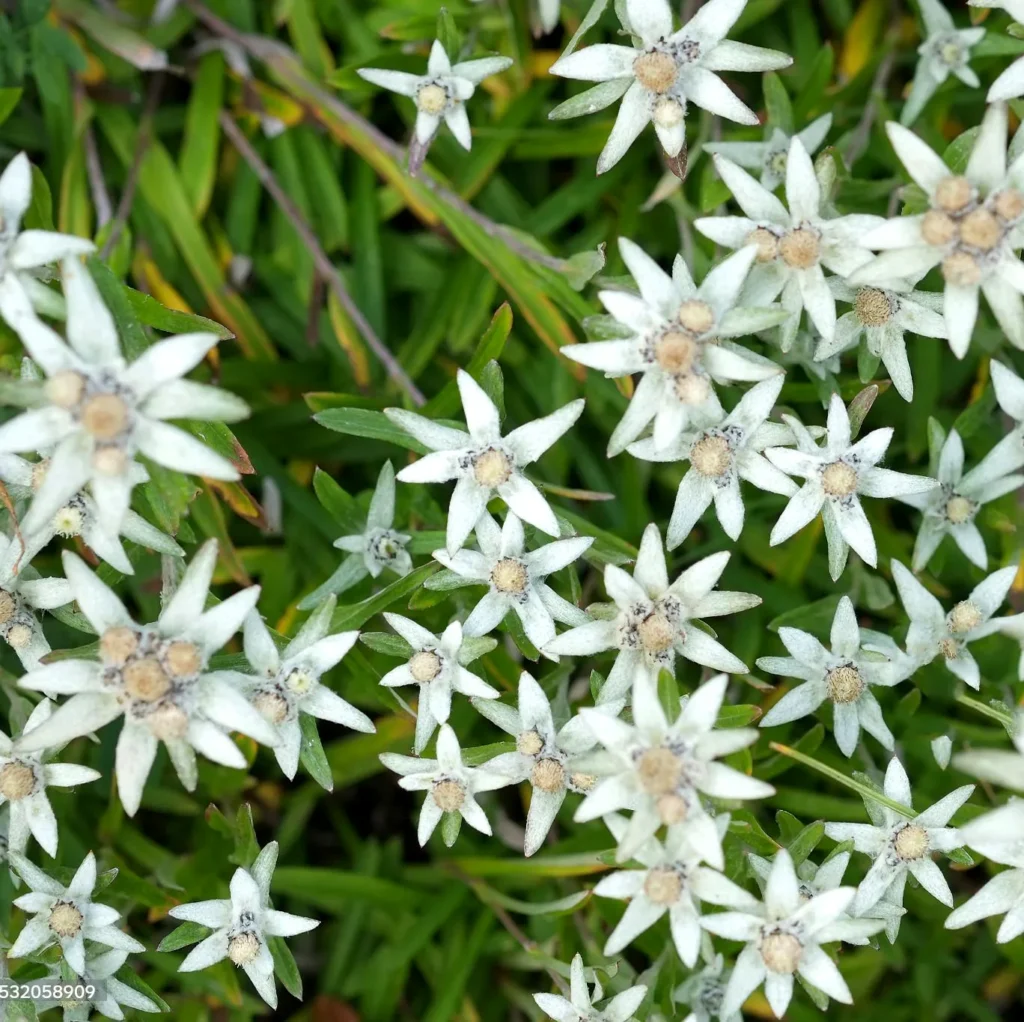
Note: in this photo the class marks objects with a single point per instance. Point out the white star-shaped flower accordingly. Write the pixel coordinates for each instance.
(771, 156)
(24, 778)
(881, 315)
(837, 475)
(544, 755)
(65, 915)
(378, 548)
(668, 71)
(672, 882)
(438, 666)
(843, 674)
(679, 342)
(902, 843)
(1010, 83)
(794, 246)
(451, 786)
(482, 461)
(242, 924)
(440, 95)
(24, 253)
(932, 631)
(581, 1006)
(972, 230)
(784, 938)
(109, 993)
(653, 619)
(515, 579)
(659, 770)
(156, 677)
(99, 412)
(719, 456)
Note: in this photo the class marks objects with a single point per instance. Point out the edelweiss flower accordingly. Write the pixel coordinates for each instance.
(654, 618)
(451, 786)
(65, 915)
(972, 229)
(667, 71)
(882, 315)
(785, 938)
(100, 412)
(673, 882)
(1010, 83)
(22, 253)
(154, 676)
(679, 342)
(482, 461)
(772, 155)
(24, 778)
(793, 245)
(438, 666)
(944, 52)
(659, 770)
(580, 1006)
(288, 682)
(842, 674)
(109, 992)
(932, 631)
(378, 548)
(543, 756)
(950, 507)
(704, 991)
(837, 475)
(440, 95)
(515, 579)
(241, 925)
(719, 457)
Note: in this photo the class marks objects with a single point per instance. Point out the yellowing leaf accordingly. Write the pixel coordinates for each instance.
(861, 37)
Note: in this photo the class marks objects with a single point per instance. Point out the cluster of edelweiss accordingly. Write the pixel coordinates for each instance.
(90, 412)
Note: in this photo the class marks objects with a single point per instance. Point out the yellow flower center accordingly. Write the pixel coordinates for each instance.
(953, 193)
(492, 468)
(800, 248)
(65, 919)
(872, 306)
(584, 782)
(548, 775)
(19, 636)
(182, 659)
(663, 886)
(692, 389)
(655, 71)
(509, 576)
(838, 479)
(696, 316)
(959, 510)
(529, 743)
(17, 781)
(671, 809)
(146, 680)
(964, 617)
(105, 416)
(449, 795)
(65, 388)
(272, 706)
(68, 521)
(168, 722)
(668, 112)
(675, 352)
(110, 461)
(911, 842)
(766, 242)
(656, 633)
(781, 952)
(711, 456)
(980, 229)
(243, 948)
(432, 99)
(425, 666)
(844, 684)
(659, 770)
(118, 646)
(8, 606)
(961, 269)
(938, 228)
(1008, 204)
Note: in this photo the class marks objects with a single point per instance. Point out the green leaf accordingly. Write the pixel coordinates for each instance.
(738, 716)
(387, 643)
(778, 103)
(284, 966)
(369, 424)
(312, 755)
(183, 935)
(149, 312)
(806, 841)
(556, 907)
(331, 890)
(338, 503)
(246, 845)
(357, 614)
(8, 101)
(448, 34)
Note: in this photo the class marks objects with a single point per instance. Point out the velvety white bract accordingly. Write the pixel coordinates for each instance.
(1010, 83)
(111, 994)
(580, 1005)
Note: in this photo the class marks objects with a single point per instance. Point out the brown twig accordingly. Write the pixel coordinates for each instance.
(862, 133)
(97, 183)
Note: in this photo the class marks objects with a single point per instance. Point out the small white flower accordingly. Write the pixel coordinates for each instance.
(544, 756)
(837, 475)
(785, 938)
(451, 786)
(653, 622)
(156, 677)
(580, 1007)
(771, 156)
(704, 991)
(659, 770)
(881, 315)
(242, 924)
(902, 843)
(110, 993)
(1010, 83)
(842, 674)
(378, 548)
(932, 631)
(668, 71)
(65, 915)
(972, 229)
(719, 456)
(24, 778)
(679, 342)
(516, 579)
(945, 51)
(100, 412)
(794, 246)
(23, 253)
(482, 461)
(438, 666)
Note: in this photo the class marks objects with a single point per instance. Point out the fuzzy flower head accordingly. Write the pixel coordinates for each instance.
(667, 71)
(836, 476)
(110, 994)
(156, 677)
(65, 915)
(241, 925)
(679, 339)
(483, 462)
(437, 664)
(1010, 83)
(99, 412)
(933, 632)
(581, 1006)
(972, 230)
